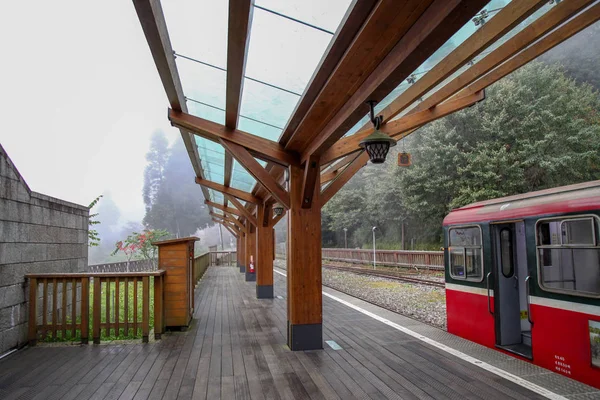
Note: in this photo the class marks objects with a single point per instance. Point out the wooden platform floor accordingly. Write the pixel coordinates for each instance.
(236, 350)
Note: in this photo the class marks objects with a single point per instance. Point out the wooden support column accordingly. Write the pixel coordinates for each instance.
(264, 252)
(250, 251)
(241, 252)
(305, 302)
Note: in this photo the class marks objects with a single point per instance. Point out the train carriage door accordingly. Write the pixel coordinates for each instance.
(510, 262)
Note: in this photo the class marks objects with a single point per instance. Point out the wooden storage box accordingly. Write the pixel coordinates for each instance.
(176, 258)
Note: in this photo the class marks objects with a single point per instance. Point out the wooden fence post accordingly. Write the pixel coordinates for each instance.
(85, 309)
(145, 308)
(32, 336)
(96, 308)
(159, 316)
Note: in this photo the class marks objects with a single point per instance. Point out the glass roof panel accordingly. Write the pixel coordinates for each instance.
(241, 179)
(203, 84)
(216, 197)
(283, 53)
(212, 158)
(324, 14)
(266, 104)
(282, 57)
(269, 131)
(203, 41)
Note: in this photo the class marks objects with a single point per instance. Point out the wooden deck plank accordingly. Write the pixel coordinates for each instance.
(236, 349)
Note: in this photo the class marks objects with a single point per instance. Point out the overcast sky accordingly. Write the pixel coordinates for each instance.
(80, 95)
(79, 99)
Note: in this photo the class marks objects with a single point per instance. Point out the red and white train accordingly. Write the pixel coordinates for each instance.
(523, 276)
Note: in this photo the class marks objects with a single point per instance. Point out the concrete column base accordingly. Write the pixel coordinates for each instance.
(250, 276)
(264, 291)
(305, 337)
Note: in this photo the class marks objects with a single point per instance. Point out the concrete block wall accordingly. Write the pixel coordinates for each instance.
(38, 234)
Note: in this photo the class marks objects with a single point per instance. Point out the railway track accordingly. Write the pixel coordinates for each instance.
(389, 275)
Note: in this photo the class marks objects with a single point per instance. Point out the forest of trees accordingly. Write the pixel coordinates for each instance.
(537, 128)
(174, 202)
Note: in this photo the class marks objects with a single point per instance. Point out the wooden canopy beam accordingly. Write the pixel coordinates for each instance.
(227, 218)
(343, 177)
(238, 36)
(279, 176)
(230, 227)
(259, 147)
(257, 171)
(405, 124)
(331, 174)
(577, 24)
(506, 19)
(228, 169)
(387, 23)
(433, 28)
(240, 17)
(223, 208)
(153, 24)
(240, 194)
(231, 230)
(337, 164)
(243, 210)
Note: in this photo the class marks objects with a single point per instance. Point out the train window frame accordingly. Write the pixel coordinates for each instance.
(560, 245)
(464, 249)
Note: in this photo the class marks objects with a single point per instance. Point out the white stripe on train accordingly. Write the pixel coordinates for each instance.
(540, 301)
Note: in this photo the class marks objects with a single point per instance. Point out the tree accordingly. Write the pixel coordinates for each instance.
(93, 237)
(177, 206)
(139, 245)
(536, 129)
(580, 56)
(154, 172)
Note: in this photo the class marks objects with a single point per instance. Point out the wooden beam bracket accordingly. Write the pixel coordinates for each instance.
(243, 156)
(240, 194)
(245, 212)
(311, 171)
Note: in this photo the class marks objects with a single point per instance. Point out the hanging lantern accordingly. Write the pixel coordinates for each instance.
(378, 143)
(278, 209)
(404, 159)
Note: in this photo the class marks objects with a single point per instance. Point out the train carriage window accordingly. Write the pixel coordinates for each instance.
(465, 253)
(569, 255)
(506, 253)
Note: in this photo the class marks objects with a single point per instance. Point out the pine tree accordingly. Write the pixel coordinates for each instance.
(154, 172)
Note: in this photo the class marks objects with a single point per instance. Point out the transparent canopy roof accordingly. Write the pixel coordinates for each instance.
(287, 41)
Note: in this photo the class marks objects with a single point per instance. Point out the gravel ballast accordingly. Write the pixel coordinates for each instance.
(422, 302)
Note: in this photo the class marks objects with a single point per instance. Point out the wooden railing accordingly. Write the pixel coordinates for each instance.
(124, 266)
(419, 259)
(201, 263)
(60, 305)
(223, 258)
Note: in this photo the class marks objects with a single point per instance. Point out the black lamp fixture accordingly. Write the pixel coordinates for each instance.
(278, 209)
(377, 144)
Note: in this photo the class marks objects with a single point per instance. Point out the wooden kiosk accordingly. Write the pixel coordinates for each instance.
(176, 257)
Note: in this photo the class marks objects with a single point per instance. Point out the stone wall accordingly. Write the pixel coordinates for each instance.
(38, 234)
